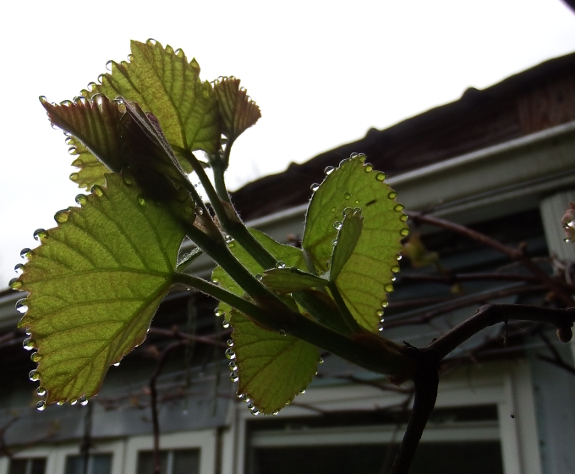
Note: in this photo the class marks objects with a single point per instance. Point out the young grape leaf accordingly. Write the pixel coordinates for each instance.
(164, 83)
(291, 257)
(119, 134)
(288, 280)
(94, 285)
(347, 238)
(90, 171)
(367, 276)
(238, 111)
(273, 368)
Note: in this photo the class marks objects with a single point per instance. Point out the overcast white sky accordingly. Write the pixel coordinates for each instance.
(322, 72)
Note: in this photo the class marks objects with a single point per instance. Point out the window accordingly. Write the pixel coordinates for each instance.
(97, 464)
(178, 461)
(28, 466)
(364, 442)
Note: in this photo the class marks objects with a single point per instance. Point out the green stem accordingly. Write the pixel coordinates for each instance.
(343, 309)
(230, 220)
(366, 350)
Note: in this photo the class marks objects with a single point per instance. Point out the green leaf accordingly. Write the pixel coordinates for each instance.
(96, 123)
(120, 135)
(238, 111)
(90, 171)
(288, 280)
(272, 368)
(164, 83)
(286, 254)
(94, 285)
(347, 238)
(367, 276)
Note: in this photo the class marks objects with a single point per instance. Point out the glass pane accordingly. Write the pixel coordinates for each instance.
(146, 462)
(28, 466)
(18, 466)
(97, 464)
(186, 461)
(101, 464)
(431, 458)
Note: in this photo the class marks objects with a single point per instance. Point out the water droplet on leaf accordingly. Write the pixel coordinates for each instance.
(28, 344)
(15, 283)
(21, 305)
(368, 167)
(97, 190)
(74, 177)
(280, 265)
(41, 391)
(328, 170)
(34, 375)
(230, 343)
(392, 195)
(347, 196)
(399, 208)
(35, 357)
(388, 287)
(230, 354)
(41, 405)
(314, 187)
(380, 176)
(282, 332)
(337, 225)
(81, 199)
(404, 232)
(24, 253)
(61, 216)
(40, 234)
(19, 268)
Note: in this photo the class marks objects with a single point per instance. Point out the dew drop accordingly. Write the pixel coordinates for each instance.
(15, 284)
(225, 324)
(388, 287)
(348, 211)
(274, 413)
(60, 403)
(337, 225)
(234, 378)
(61, 216)
(117, 364)
(392, 195)
(567, 239)
(21, 305)
(199, 211)
(282, 332)
(230, 354)
(314, 187)
(380, 176)
(403, 217)
(97, 190)
(74, 177)
(399, 208)
(141, 201)
(328, 170)
(109, 66)
(399, 257)
(395, 268)
(40, 234)
(151, 41)
(231, 244)
(41, 391)
(28, 344)
(81, 199)
(320, 361)
(25, 252)
(280, 265)
(343, 162)
(259, 277)
(215, 280)
(41, 405)
(232, 365)
(73, 401)
(347, 196)
(404, 232)
(353, 155)
(19, 268)
(240, 395)
(35, 357)
(379, 313)
(384, 304)
(83, 400)
(218, 313)
(34, 375)
(380, 328)
(368, 167)
(230, 343)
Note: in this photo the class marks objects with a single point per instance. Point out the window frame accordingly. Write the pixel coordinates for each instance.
(203, 440)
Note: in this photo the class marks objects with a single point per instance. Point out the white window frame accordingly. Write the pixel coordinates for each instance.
(204, 441)
(507, 385)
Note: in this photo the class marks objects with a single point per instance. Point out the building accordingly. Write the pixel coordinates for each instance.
(502, 161)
